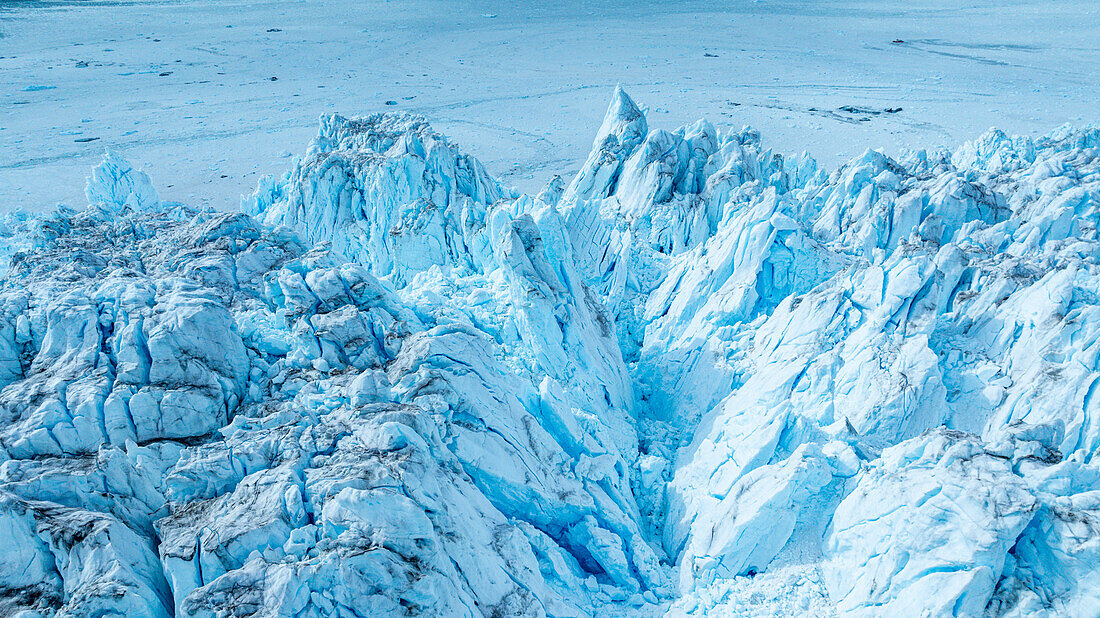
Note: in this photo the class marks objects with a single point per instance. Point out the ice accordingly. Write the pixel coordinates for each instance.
(1052, 569)
(750, 525)
(386, 191)
(930, 526)
(115, 184)
(698, 378)
(623, 129)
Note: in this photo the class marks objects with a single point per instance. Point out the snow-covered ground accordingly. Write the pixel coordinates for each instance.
(212, 95)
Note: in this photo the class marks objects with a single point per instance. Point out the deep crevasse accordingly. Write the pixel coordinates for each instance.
(698, 378)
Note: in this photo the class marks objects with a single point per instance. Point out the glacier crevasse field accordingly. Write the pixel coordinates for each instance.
(698, 378)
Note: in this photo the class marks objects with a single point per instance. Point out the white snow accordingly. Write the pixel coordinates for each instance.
(523, 90)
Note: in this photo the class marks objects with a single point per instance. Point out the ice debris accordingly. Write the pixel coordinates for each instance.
(699, 378)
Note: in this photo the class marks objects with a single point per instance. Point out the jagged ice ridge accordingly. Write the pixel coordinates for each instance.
(699, 378)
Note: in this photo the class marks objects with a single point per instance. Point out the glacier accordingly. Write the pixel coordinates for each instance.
(698, 378)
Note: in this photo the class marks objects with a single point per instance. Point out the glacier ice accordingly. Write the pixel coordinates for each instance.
(699, 378)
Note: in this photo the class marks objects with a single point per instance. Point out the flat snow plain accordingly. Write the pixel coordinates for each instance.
(208, 96)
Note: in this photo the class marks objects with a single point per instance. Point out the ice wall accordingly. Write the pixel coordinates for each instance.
(698, 378)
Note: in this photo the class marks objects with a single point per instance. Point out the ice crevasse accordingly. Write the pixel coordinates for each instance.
(698, 378)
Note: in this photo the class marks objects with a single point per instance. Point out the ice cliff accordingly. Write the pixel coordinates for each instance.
(699, 378)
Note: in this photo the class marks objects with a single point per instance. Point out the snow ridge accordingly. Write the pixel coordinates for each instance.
(698, 378)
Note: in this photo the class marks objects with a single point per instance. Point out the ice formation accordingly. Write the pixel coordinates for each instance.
(700, 378)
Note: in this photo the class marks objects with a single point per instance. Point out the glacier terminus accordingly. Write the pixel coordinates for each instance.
(698, 378)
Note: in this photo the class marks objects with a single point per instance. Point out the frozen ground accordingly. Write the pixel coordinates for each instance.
(213, 95)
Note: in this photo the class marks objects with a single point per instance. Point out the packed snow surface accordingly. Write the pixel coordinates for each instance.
(210, 95)
(697, 378)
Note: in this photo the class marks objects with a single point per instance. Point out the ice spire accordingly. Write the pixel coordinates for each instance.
(624, 127)
(114, 183)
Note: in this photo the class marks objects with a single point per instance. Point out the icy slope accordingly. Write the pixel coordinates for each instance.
(697, 378)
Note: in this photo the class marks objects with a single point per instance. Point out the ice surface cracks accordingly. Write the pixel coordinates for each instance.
(699, 370)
